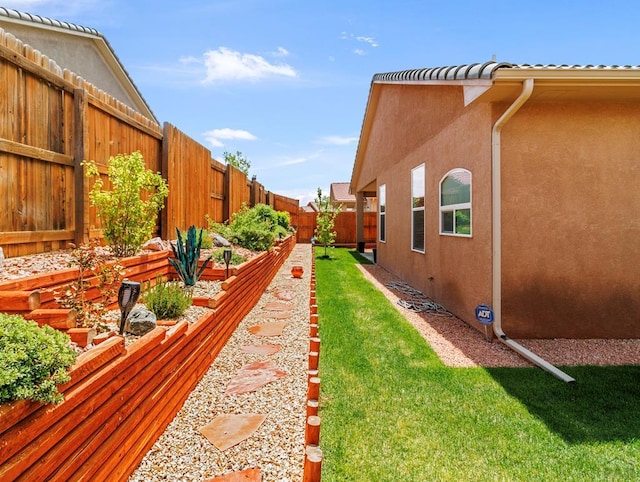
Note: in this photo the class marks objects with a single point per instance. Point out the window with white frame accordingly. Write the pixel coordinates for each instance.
(455, 203)
(382, 213)
(417, 208)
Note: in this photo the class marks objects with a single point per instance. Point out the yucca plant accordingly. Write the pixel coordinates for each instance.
(187, 256)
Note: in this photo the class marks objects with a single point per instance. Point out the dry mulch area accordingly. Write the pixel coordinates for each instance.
(459, 345)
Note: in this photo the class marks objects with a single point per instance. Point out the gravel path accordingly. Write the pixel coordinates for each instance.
(183, 454)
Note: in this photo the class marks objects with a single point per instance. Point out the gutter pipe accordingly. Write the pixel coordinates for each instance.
(527, 89)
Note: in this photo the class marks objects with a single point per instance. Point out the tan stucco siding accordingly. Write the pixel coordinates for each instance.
(570, 221)
(75, 53)
(414, 125)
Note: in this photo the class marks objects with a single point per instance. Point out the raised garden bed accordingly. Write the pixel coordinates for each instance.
(120, 399)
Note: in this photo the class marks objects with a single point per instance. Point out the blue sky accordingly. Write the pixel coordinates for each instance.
(286, 81)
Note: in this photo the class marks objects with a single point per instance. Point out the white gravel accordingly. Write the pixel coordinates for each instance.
(182, 453)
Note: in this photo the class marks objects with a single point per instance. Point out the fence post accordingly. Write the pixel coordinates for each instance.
(81, 228)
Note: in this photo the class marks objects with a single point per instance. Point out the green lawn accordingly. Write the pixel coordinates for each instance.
(391, 411)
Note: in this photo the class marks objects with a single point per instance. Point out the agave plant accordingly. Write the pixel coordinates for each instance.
(187, 256)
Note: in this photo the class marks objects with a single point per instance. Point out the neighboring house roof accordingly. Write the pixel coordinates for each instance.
(311, 207)
(84, 51)
(339, 193)
(502, 81)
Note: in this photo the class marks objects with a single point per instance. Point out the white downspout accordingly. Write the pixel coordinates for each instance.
(527, 89)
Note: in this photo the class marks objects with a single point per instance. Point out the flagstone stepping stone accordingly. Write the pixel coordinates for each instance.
(261, 349)
(268, 329)
(246, 475)
(285, 295)
(253, 376)
(228, 430)
(279, 315)
(277, 307)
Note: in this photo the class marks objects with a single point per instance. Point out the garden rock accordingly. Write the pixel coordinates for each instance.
(156, 244)
(140, 321)
(220, 241)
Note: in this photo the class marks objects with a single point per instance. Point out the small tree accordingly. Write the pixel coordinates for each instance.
(130, 209)
(237, 160)
(327, 213)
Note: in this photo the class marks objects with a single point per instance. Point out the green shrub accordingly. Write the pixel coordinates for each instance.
(166, 299)
(219, 228)
(130, 209)
(33, 360)
(284, 219)
(218, 256)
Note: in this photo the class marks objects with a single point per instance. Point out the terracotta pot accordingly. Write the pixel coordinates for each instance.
(297, 271)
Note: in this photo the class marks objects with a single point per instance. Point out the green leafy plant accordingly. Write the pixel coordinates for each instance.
(237, 160)
(187, 256)
(33, 360)
(325, 221)
(258, 227)
(284, 219)
(166, 299)
(222, 229)
(91, 263)
(130, 209)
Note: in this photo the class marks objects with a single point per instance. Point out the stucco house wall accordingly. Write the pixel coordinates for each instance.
(570, 182)
(571, 220)
(415, 126)
(82, 50)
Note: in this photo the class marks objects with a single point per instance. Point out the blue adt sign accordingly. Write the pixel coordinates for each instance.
(484, 314)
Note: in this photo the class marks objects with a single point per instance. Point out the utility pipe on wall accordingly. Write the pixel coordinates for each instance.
(527, 89)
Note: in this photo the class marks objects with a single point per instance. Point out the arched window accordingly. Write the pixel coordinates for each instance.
(455, 203)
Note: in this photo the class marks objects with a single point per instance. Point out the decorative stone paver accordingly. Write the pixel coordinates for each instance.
(253, 376)
(284, 295)
(228, 430)
(247, 475)
(279, 315)
(268, 329)
(261, 349)
(275, 306)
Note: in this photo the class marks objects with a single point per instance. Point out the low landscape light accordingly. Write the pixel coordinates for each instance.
(226, 254)
(127, 297)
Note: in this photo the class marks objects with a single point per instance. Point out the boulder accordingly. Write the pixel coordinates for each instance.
(156, 244)
(220, 241)
(140, 321)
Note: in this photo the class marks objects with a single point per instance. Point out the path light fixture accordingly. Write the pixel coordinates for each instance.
(127, 297)
(226, 254)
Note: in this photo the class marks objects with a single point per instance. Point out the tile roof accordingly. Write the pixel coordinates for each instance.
(481, 71)
(10, 13)
(340, 192)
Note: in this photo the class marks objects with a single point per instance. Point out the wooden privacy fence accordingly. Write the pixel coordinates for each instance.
(51, 120)
(345, 227)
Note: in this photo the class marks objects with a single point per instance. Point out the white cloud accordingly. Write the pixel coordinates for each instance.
(282, 52)
(215, 136)
(225, 64)
(338, 140)
(372, 42)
